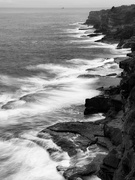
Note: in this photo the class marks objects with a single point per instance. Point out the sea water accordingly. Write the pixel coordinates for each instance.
(43, 57)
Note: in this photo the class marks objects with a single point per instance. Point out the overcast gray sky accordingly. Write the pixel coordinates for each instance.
(64, 3)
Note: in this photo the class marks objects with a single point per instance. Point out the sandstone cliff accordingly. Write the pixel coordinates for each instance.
(117, 23)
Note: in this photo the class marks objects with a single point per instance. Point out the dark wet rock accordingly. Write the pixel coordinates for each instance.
(91, 69)
(97, 104)
(85, 129)
(112, 74)
(103, 104)
(75, 172)
(73, 136)
(63, 140)
(94, 35)
(88, 76)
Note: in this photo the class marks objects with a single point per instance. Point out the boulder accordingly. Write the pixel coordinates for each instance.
(94, 35)
(98, 104)
(112, 74)
(78, 172)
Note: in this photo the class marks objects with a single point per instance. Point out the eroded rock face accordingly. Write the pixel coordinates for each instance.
(116, 23)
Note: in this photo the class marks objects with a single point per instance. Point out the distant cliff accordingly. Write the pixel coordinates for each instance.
(117, 23)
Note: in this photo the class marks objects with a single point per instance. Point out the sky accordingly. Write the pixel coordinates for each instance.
(64, 3)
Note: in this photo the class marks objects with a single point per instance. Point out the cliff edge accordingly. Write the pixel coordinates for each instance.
(118, 24)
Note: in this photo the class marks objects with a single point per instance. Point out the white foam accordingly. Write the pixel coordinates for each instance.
(46, 95)
(83, 158)
(80, 31)
(88, 40)
(25, 160)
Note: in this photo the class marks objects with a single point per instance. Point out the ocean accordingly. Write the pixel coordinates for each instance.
(44, 57)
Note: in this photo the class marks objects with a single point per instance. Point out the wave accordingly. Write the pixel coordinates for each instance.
(23, 159)
(88, 40)
(37, 95)
(80, 32)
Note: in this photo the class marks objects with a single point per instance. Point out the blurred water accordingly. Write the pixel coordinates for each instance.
(42, 55)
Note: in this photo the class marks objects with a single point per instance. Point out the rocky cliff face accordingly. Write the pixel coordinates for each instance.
(118, 24)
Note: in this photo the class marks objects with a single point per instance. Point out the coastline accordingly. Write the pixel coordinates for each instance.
(112, 136)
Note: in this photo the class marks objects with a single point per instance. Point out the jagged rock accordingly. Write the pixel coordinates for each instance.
(112, 74)
(85, 129)
(97, 104)
(95, 34)
(88, 76)
(73, 136)
(79, 172)
(103, 104)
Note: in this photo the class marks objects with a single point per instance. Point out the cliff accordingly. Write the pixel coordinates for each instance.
(117, 23)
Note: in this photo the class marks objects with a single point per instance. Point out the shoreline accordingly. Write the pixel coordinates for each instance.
(73, 137)
(115, 133)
